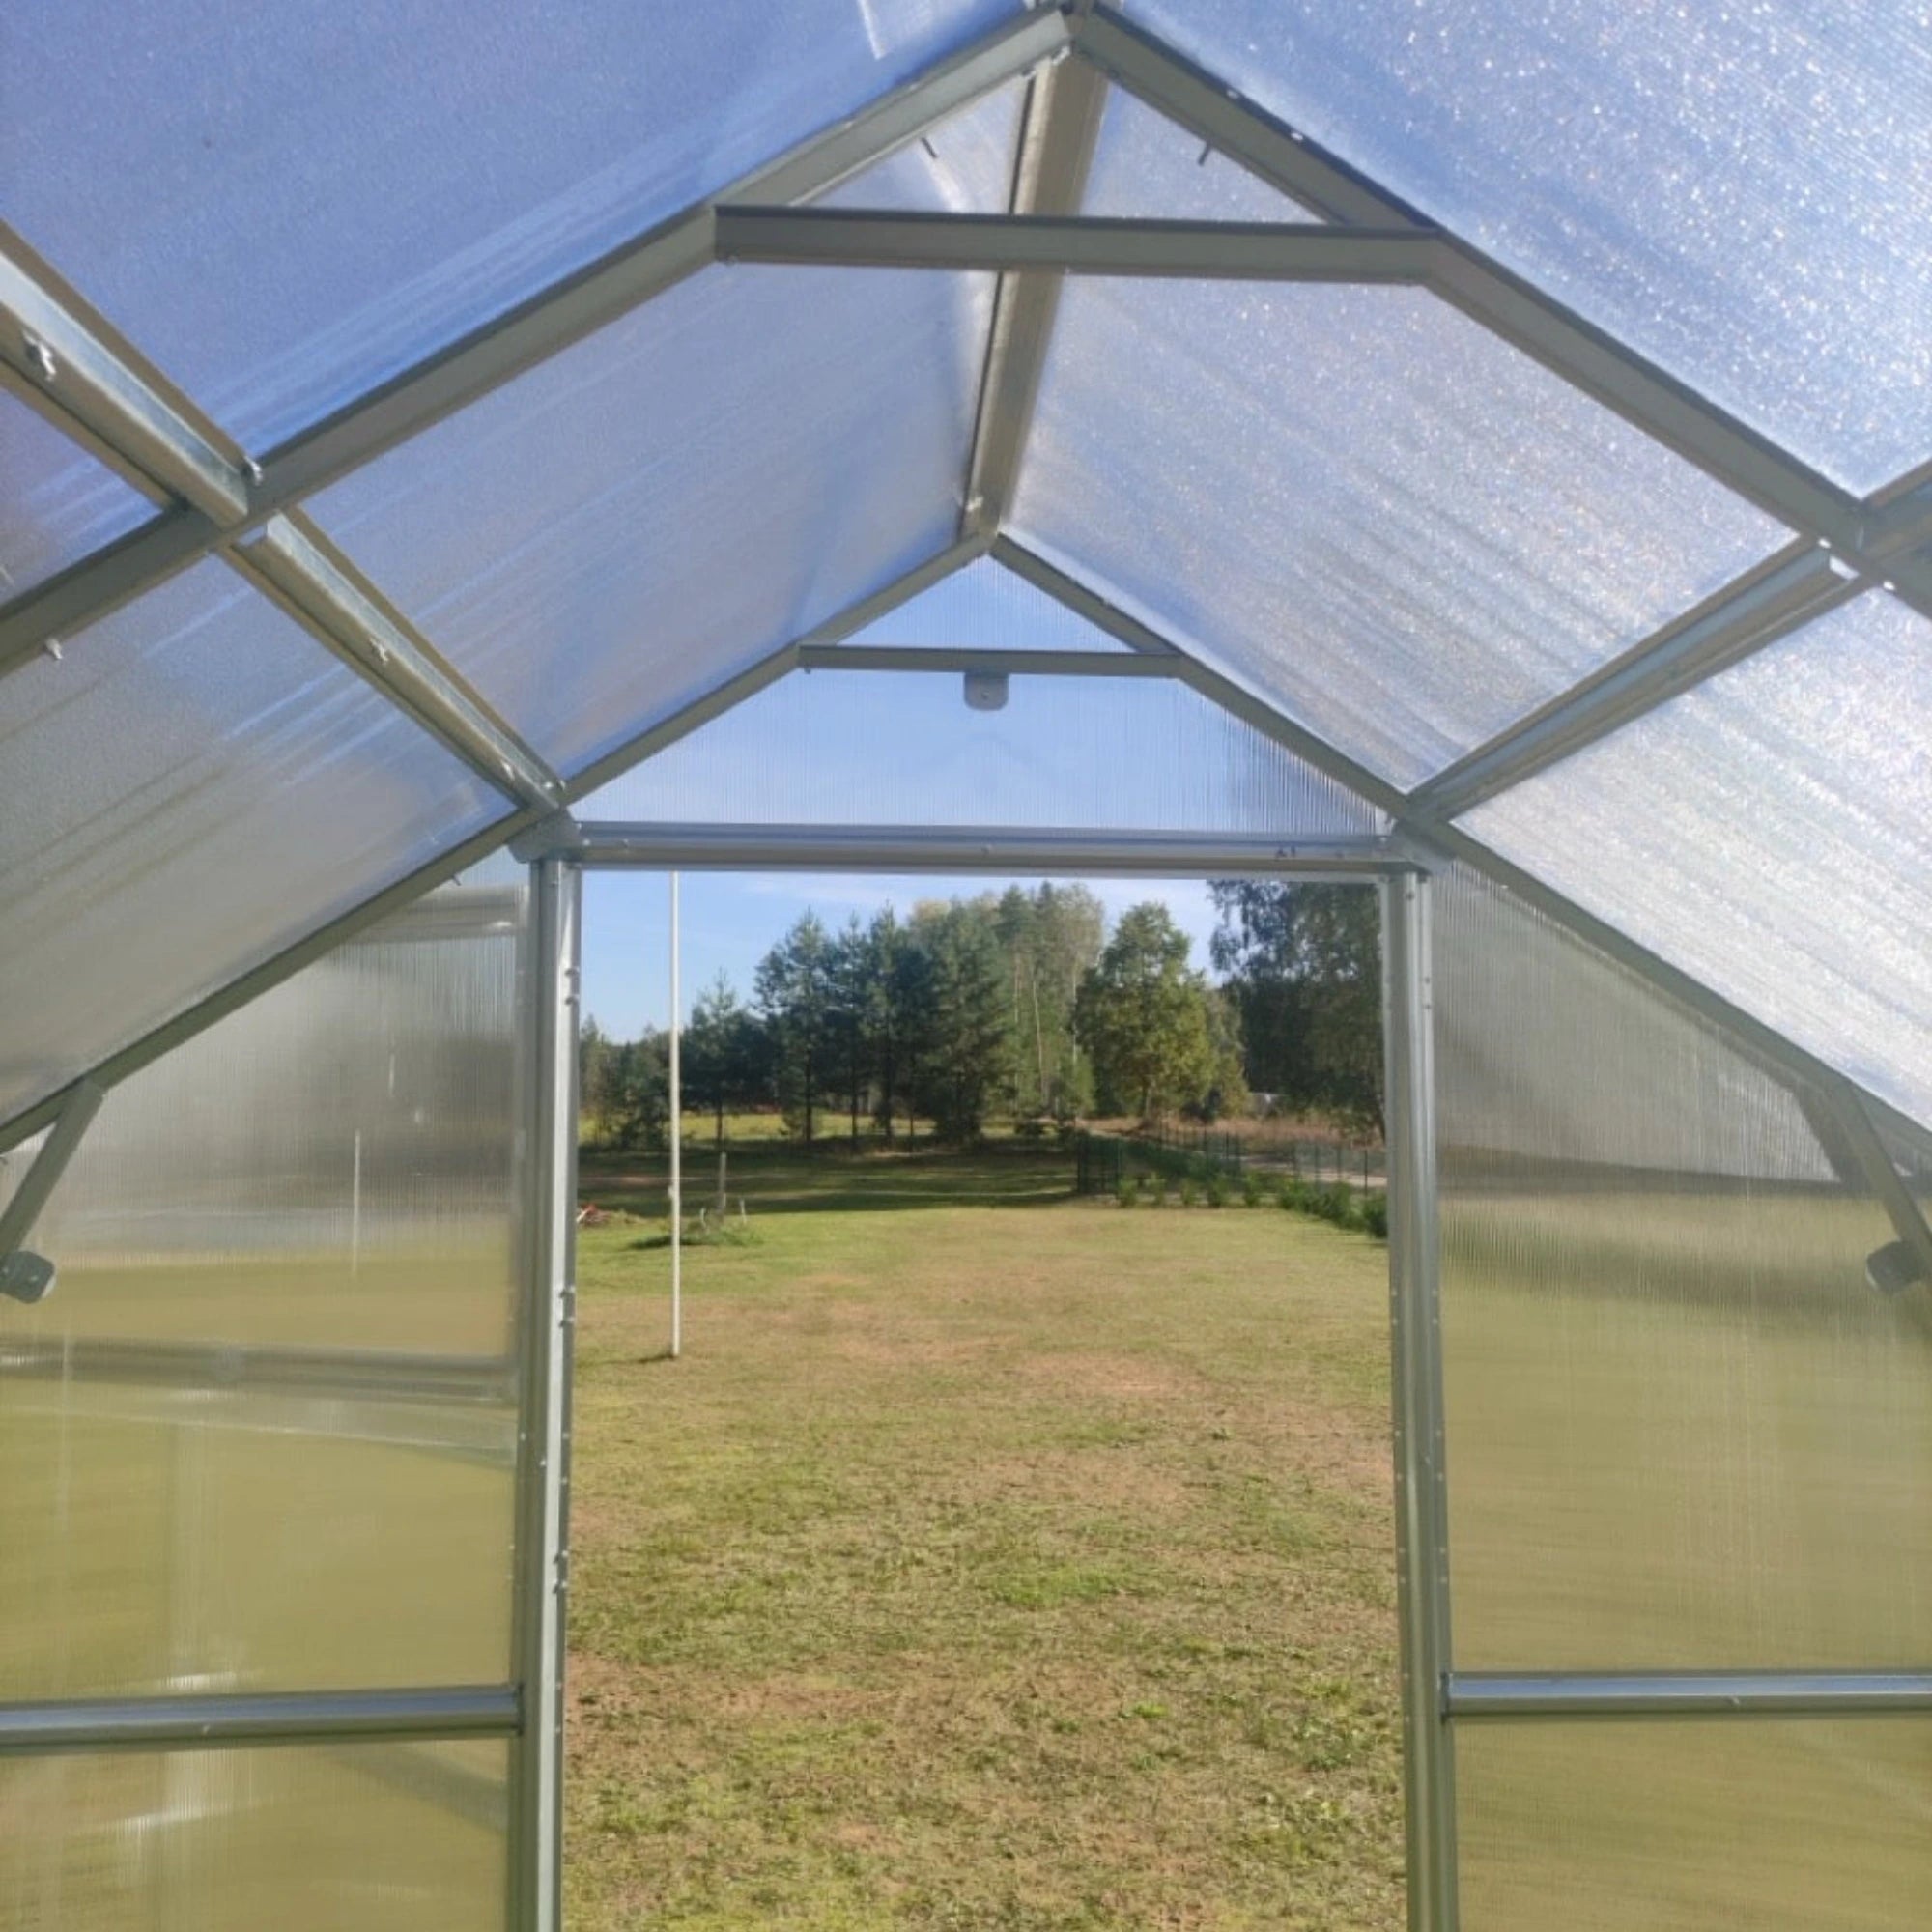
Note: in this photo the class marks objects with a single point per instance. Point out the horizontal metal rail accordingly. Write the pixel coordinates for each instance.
(229, 1720)
(1075, 245)
(1711, 1693)
(1004, 664)
(944, 849)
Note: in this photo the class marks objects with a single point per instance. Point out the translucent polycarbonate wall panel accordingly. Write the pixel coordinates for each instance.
(902, 747)
(623, 528)
(1779, 1825)
(1683, 1433)
(961, 165)
(985, 607)
(1772, 832)
(354, 191)
(1362, 504)
(262, 1434)
(56, 502)
(1147, 165)
(385, 1837)
(1742, 193)
(191, 785)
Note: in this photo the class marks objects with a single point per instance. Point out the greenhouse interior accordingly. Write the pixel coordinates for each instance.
(1481, 449)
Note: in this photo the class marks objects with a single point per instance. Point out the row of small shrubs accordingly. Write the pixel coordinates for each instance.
(1335, 1202)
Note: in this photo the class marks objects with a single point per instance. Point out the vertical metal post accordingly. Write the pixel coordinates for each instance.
(676, 1144)
(545, 1330)
(1415, 1336)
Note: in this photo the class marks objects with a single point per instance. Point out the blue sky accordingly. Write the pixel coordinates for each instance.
(731, 919)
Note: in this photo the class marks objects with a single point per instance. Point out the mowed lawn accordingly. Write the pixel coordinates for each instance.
(992, 1558)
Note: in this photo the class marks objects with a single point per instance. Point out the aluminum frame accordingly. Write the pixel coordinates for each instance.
(546, 1329)
(1415, 1367)
(1479, 1696)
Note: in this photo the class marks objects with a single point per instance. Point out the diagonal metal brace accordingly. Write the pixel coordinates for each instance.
(25, 1276)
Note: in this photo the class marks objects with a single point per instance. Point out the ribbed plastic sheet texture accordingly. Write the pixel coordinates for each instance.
(902, 747)
(1683, 1433)
(1148, 166)
(192, 784)
(386, 1838)
(262, 1434)
(624, 526)
(56, 502)
(1779, 1825)
(1363, 503)
(1742, 193)
(985, 606)
(354, 189)
(1771, 831)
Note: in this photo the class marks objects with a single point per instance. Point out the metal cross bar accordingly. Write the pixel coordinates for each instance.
(1802, 582)
(1064, 101)
(25, 1276)
(299, 1717)
(1005, 664)
(1708, 1693)
(68, 358)
(297, 567)
(1587, 357)
(568, 310)
(1082, 244)
(1019, 849)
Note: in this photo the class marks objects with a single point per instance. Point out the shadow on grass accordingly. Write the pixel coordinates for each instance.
(787, 1181)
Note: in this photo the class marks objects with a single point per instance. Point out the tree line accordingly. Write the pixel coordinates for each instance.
(1019, 1005)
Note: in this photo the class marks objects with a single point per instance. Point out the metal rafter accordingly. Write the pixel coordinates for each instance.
(549, 320)
(1077, 245)
(1615, 375)
(1449, 842)
(408, 890)
(297, 567)
(1065, 101)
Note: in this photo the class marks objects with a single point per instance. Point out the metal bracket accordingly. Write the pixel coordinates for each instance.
(25, 1276)
(546, 838)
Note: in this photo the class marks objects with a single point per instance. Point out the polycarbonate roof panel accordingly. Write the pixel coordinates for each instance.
(286, 204)
(902, 748)
(193, 785)
(699, 483)
(1743, 194)
(56, 502)
(1148, 166)
(961, 165)
(985, 606)
(1770, 832)
(1381, 516)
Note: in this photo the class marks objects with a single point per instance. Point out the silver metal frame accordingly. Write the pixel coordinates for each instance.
(1478, 1696)
(545, 1328)
(950, 850)
(1416, 1360)
(257, 1719)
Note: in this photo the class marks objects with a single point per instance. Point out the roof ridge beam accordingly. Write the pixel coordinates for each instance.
(1721, 445)
(1065, 102)
(1802, 582)
(574, 306)
(1077, 245)
(953, 661)
(297, 566)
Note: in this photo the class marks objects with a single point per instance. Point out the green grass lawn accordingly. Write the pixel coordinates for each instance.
(1024, 1568)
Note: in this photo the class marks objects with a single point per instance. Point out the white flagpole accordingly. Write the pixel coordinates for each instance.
(676, 1145)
